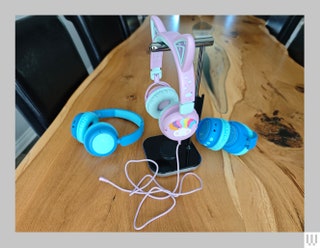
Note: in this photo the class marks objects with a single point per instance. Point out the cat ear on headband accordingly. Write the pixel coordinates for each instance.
(156, 26)
(185, 51)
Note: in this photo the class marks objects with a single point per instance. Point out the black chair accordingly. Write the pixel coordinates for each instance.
(283, 28)
(100, 34)
(296, 47)
(48, 69)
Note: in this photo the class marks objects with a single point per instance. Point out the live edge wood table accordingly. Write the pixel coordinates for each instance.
(57, 186)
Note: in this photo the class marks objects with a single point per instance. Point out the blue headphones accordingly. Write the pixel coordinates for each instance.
(101, 138)
(231, 136)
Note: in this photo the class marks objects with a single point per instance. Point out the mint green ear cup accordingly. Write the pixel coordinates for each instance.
(160, 99)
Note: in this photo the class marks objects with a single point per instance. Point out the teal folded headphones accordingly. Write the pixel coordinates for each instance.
(101, 138)
(232, 136)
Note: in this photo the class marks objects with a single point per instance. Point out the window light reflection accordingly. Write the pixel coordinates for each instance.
(229, 21)
(174, 23)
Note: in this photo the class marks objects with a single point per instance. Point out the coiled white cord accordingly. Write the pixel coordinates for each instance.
(139, 188)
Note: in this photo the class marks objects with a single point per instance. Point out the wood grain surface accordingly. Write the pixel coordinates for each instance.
(257, 83)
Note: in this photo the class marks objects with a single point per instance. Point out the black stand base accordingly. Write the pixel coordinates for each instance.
(163, 151)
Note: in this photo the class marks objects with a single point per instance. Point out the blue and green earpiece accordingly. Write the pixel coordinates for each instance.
(232, 136)
(101, 138)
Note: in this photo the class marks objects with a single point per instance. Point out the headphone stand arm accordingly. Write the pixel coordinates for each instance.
(198, 99)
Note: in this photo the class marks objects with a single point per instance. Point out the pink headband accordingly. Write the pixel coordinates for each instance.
(182, 47)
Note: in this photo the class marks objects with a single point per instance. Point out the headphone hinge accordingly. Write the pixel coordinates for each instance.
(156, 73)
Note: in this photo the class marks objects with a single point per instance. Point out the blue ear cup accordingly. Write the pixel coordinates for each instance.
(101, 139)
(241, 140)
(233, 137)
(213, 133)
(81, 123)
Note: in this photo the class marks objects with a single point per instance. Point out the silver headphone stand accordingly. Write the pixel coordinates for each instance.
(163, 150)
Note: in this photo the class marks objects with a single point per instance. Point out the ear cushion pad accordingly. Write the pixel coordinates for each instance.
(101, 139)
(213, 133)
(81, 123)
(241, 139)
(159, 99)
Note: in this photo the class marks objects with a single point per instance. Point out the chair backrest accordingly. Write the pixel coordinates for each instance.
(131, 23)
(101, 33)
(282, 26)
(48, 69)
(289, 30)
(296, 47)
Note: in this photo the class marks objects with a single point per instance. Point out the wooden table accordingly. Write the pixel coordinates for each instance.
(57, 186)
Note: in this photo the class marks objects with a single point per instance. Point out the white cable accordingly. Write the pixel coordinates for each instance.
(139, 188)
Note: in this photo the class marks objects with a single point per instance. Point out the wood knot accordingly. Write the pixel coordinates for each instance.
(299, 88)
(276, 130)
(128, 77)
(131, 97)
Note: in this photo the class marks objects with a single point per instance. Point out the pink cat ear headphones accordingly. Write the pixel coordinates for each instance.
(178, 120)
